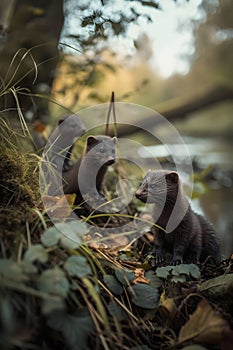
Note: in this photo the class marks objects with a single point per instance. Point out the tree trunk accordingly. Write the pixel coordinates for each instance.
(180, 109)
(29, 25)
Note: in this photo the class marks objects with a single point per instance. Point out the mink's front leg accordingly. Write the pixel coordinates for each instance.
(178, 252)
(159, 242)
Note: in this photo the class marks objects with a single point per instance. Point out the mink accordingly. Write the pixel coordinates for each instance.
(190, 237)
(86, 176)
(57, 151)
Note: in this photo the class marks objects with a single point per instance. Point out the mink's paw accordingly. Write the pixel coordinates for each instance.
(159, 258)
(176, 261)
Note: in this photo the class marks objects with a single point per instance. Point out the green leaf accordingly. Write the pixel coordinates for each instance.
(36, 252)
(75, 329)
(155, 281)
(180, 278)
(69, 234)
(113, 284)
(143, 295)
(77, 266)
(124, 276)
(12, 270)
(27, 266)
(54, 281)
(49, 306)
(72, 233)
(164, 271)
(117, 311)
(186, 269)
(194, 271)
(219, 287)
(51, 237)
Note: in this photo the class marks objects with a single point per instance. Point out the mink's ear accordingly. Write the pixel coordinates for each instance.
(92, 141)
(114, 139)
(173, 177)
(61, 120)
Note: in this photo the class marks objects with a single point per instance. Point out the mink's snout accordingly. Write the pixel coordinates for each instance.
(110, 161)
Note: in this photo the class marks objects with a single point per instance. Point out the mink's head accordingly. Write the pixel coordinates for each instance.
(158, 186)
(101, 149)
(70, 127)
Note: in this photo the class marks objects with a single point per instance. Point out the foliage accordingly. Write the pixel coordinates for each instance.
(178, 273)
(86, 297)
(57, 292)
(83, 298)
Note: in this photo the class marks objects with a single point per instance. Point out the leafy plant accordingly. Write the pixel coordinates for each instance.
(178, 273)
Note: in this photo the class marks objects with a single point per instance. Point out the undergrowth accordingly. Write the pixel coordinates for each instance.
(60, 288)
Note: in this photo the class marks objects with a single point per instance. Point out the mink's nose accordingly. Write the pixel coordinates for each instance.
(110, 161)
(138, 194)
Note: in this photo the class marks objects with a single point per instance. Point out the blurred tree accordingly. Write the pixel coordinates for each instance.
(29, 37)
(212, 62)
(29, 33)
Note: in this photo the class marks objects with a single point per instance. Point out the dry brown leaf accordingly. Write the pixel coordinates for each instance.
(60, 207)
(168, 309)
(149, 236)
(205, 326)
(139, 277)
(38, 126)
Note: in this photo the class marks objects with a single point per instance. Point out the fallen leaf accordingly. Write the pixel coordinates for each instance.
(205, 326)
(168, 309)
(38, 126)
(140, 277)
(60, 207)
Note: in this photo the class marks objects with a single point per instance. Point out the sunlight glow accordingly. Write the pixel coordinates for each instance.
(170, 34)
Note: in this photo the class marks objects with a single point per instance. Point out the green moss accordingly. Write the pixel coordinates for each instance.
(19, 191)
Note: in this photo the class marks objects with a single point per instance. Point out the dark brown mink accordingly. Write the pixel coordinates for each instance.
(86, 176)
(62, 140)
(56, 153)
(190, 237)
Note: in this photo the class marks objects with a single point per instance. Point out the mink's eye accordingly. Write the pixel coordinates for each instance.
(102, 150)
(152, 185)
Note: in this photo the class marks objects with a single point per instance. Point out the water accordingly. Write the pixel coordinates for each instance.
(216, 201)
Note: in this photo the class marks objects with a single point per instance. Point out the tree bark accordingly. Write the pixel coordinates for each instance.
(180, 109)
(35, 26)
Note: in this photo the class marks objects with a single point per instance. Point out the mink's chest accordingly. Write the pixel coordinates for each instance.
(168, 238)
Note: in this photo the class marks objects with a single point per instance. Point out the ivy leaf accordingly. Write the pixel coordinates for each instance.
(155, 281)
(75, 329)
(124, 276)
(36, 252)
(12, 270)
(186, 269)
(117, 311)
(194, 271)
(72, 233)
(68, 233)
(143, 295)
(51, 237)
(179, 278)
(113, 284)
(54, 281)
(27, 266)
(77, 266)
(48, 306)
(164, 271)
